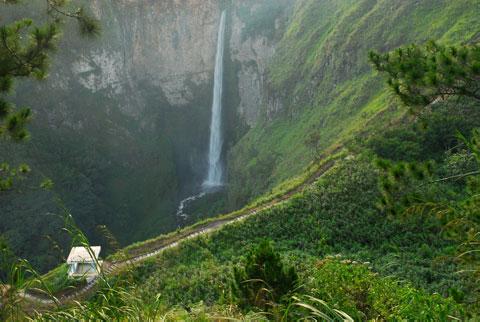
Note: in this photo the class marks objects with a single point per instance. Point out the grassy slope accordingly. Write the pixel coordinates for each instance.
(338, 214)
(322, 76)
(331, 39)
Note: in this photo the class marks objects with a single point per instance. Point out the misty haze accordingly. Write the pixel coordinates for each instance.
(252, 160)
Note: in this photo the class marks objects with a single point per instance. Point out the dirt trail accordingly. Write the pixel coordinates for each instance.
(110, 268)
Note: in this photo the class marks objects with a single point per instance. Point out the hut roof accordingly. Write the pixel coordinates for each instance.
(82, 254)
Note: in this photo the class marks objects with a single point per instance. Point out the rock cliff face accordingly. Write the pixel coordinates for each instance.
(123, 120)
(253, 50)
(160, 55)
(171, 45)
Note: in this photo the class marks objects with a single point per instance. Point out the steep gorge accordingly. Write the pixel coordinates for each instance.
(338, 195)
(121, 125)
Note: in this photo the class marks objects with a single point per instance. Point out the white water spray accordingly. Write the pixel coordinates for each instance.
(215, 171)
(184, 203)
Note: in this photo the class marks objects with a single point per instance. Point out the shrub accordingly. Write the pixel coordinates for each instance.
(353, 288)
(264, 279)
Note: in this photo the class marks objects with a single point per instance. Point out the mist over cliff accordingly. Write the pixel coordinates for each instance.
(121, 125)
(244, 159)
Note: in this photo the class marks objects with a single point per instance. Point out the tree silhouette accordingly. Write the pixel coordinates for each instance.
(420, 75)
(25, 52)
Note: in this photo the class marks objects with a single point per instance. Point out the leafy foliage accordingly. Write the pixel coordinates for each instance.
(320, 78)
(363, 296)
(25, 51)
(7, 258)
(427, 136)
(337, 215)
(265, 279)
(421, 75)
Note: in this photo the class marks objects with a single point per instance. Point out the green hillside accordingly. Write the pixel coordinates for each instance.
(359, 224)
(322, 77)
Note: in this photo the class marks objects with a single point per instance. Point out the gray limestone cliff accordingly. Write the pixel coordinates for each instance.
(122, 123)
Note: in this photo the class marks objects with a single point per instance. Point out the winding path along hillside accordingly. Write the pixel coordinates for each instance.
(110, 268)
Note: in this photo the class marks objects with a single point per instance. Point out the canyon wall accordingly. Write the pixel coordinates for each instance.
(121, 125)
(171, 46)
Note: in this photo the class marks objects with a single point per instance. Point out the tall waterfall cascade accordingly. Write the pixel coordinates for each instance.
(214, 177)
(215, 170)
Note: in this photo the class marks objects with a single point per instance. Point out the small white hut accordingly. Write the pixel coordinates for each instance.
(83, 262)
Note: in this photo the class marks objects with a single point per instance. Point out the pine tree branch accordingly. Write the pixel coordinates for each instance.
(11, 51)
(458, 176)
(64, 13)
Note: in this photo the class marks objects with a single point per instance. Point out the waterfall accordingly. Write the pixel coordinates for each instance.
(215, 171)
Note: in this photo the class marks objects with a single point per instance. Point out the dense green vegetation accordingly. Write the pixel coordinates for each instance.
(320, 81)
(342, 246)
(419, 76)
(27, 43)
(337, 216)
(424, 78)
(389, 231)
(125, 159)
(264, 280)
